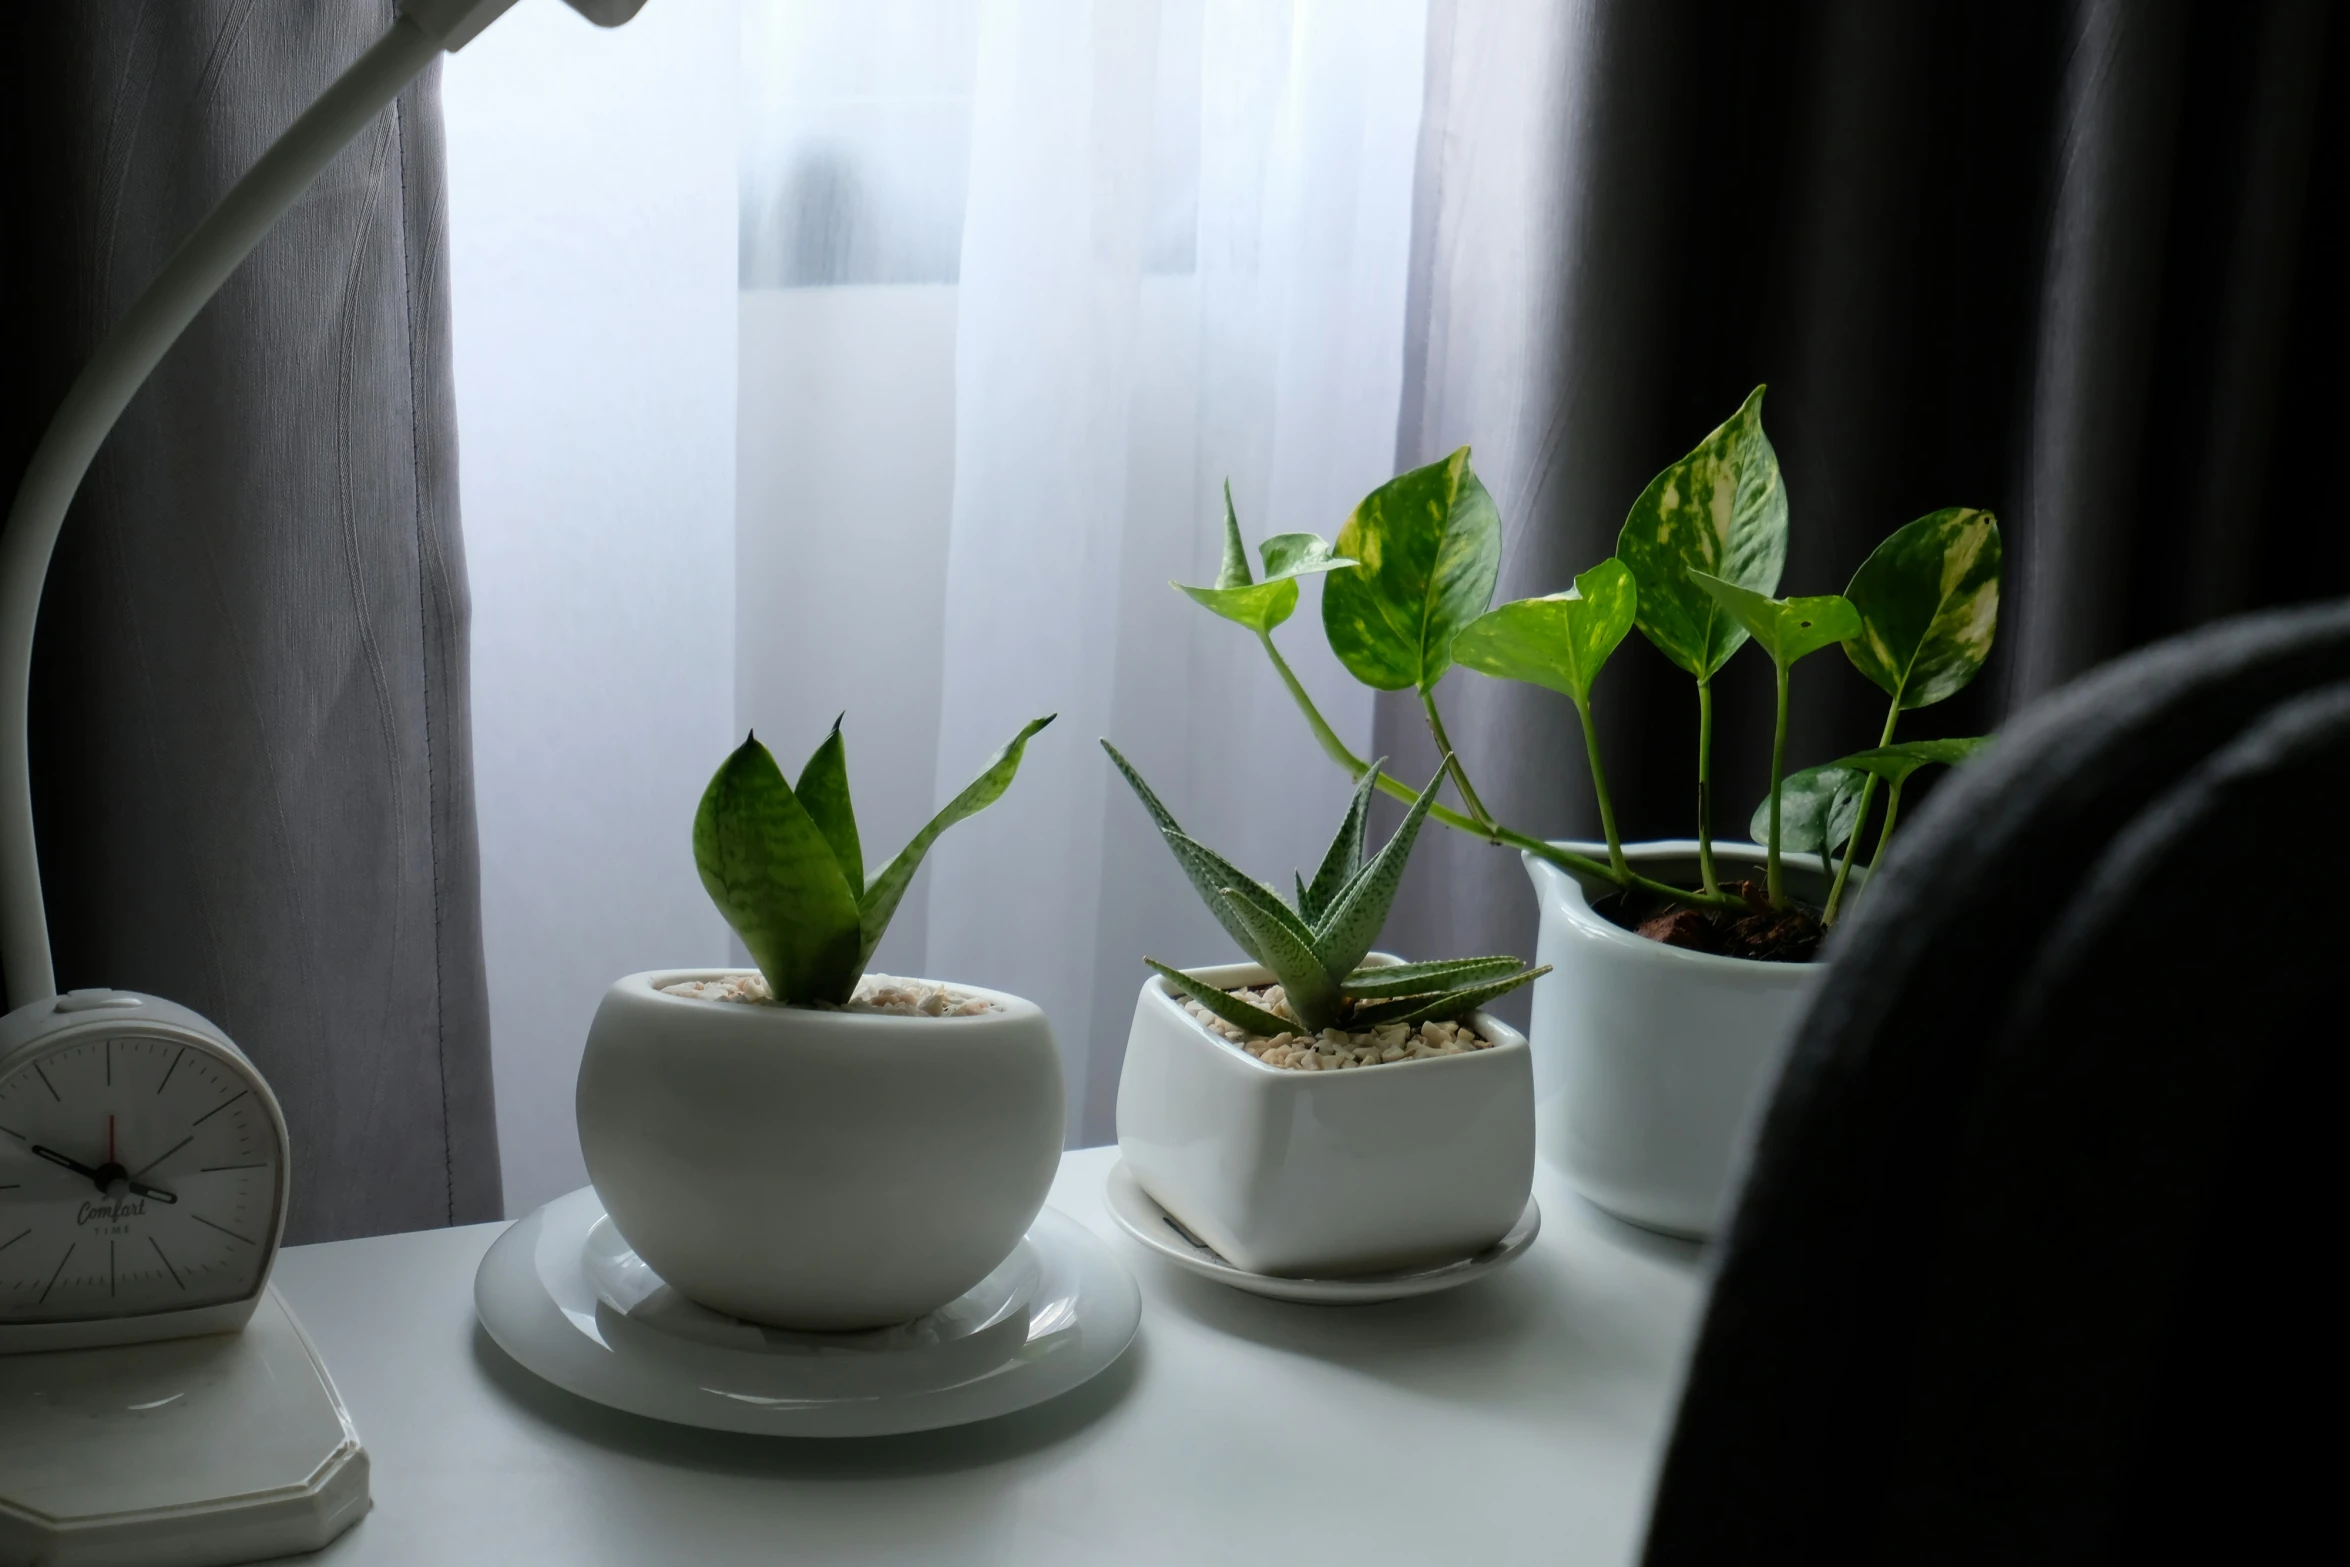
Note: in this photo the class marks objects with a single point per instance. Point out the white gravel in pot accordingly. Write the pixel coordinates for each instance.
(875, 993)
(1336, 1049)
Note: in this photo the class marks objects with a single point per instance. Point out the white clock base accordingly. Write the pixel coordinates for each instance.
(227, 1448)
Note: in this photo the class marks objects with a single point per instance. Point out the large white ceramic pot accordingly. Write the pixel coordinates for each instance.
(817, 1170)
(1321, 1174)
(1651, 1062)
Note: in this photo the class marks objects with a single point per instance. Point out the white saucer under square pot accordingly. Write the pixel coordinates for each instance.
(1322, 1174)
(1652, 1062)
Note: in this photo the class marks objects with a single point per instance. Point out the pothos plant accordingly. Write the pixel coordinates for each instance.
(1696, 569)
(1316, 944)
(783, 863)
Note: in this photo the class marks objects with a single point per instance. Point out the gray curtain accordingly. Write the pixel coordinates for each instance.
(251, 744)
(2076, 263)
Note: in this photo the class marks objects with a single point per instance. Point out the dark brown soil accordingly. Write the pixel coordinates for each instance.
(1762, 933)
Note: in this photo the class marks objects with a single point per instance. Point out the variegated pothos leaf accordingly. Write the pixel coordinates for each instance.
(1928, 599)
(1721, 510)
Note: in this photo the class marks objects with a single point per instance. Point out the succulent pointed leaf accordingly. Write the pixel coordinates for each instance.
(1928, 599)
(1311, 989)
(1444, 1008)
(1207, 867)
(1894, 763)
(1352, 925)
(1420, 979)
(881, 898)
(1208, 872)
(767, 866)
(1819, 808)
(824, 790)
(1560, 642)
(1721, 510)
(1345, 855)
(1229, 1007)
(1428, 547)
(1787, 629)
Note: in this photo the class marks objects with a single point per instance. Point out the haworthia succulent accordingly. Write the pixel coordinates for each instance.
(1344, 858)
(1444, 1008)
(1351, 926)
(1420, 979)
(1311, 989)
(1223, 1003)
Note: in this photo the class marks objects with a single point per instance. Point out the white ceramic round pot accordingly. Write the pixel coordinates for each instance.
(1650, 1062)
(1323, 1174)
(817, 1170)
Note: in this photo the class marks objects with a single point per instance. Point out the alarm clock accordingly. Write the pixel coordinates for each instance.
(158, 1402)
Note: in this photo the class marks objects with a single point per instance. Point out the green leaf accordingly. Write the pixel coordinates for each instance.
(767, 866)
(1428, 546)
(881, 898)
(824, 792)
(1345, 855)
(1820, 807)
(1311, 991)
(1226, 877)
(1229, 1007)
(1208, 872)
(1352, 925)
(1894, 763)
(1788, 629)
(1261, 606)
(1721, 510)
(1444, 1008)
(1560, 642)
(1419, 979)
(1928, 599)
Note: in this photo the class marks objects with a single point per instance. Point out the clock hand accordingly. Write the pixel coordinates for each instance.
(104, 1176)
(78, 1168)
(140, 1189)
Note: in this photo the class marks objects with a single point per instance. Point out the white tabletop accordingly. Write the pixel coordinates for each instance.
(1514, 1420)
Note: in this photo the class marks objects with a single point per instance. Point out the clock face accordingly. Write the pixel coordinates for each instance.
(138, 1174)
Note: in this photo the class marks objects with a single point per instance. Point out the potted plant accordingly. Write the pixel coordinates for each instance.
(1322, 1109)
(1680, 966)
(804, 1144)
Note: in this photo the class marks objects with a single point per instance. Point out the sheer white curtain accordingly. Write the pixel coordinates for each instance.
(968, 474)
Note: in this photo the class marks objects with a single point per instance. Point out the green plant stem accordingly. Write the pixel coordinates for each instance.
(1705, 788)
(1494, 832)
(1777, 890)
(1892, 811)
(1607, 809)
(1868, 795)
(1452, 759)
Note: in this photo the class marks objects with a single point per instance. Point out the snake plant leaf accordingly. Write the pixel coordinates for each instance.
(824, 790)
(1928, 599)
(1721, 510)
(1346, 933)
(1311, 989)
(766, 864)
(1261, 606)
(1229, 1007)
(1344, 858)
(1894, 763)
(881, 898)
(1420, 979)
(1819, 809)
(1560, 642)
(1446, 1007)
(1428, 551)
(1787, 629)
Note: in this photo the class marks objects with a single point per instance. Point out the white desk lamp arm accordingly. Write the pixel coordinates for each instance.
(121, 366)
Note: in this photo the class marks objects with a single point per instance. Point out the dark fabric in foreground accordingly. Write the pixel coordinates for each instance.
(2017, 1275)
(251, 745)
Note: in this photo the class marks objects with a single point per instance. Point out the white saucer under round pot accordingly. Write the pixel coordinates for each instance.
(817, 1170)
(571, 1301)
(1319, 1175)
(1652, 1062)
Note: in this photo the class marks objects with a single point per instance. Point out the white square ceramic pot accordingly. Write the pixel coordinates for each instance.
(1315, 1174)
(1652, 1063)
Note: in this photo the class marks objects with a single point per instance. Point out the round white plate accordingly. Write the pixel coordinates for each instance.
(1141, 1217)
(564, 1295)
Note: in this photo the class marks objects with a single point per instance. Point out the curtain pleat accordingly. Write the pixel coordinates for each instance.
(251, 743)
